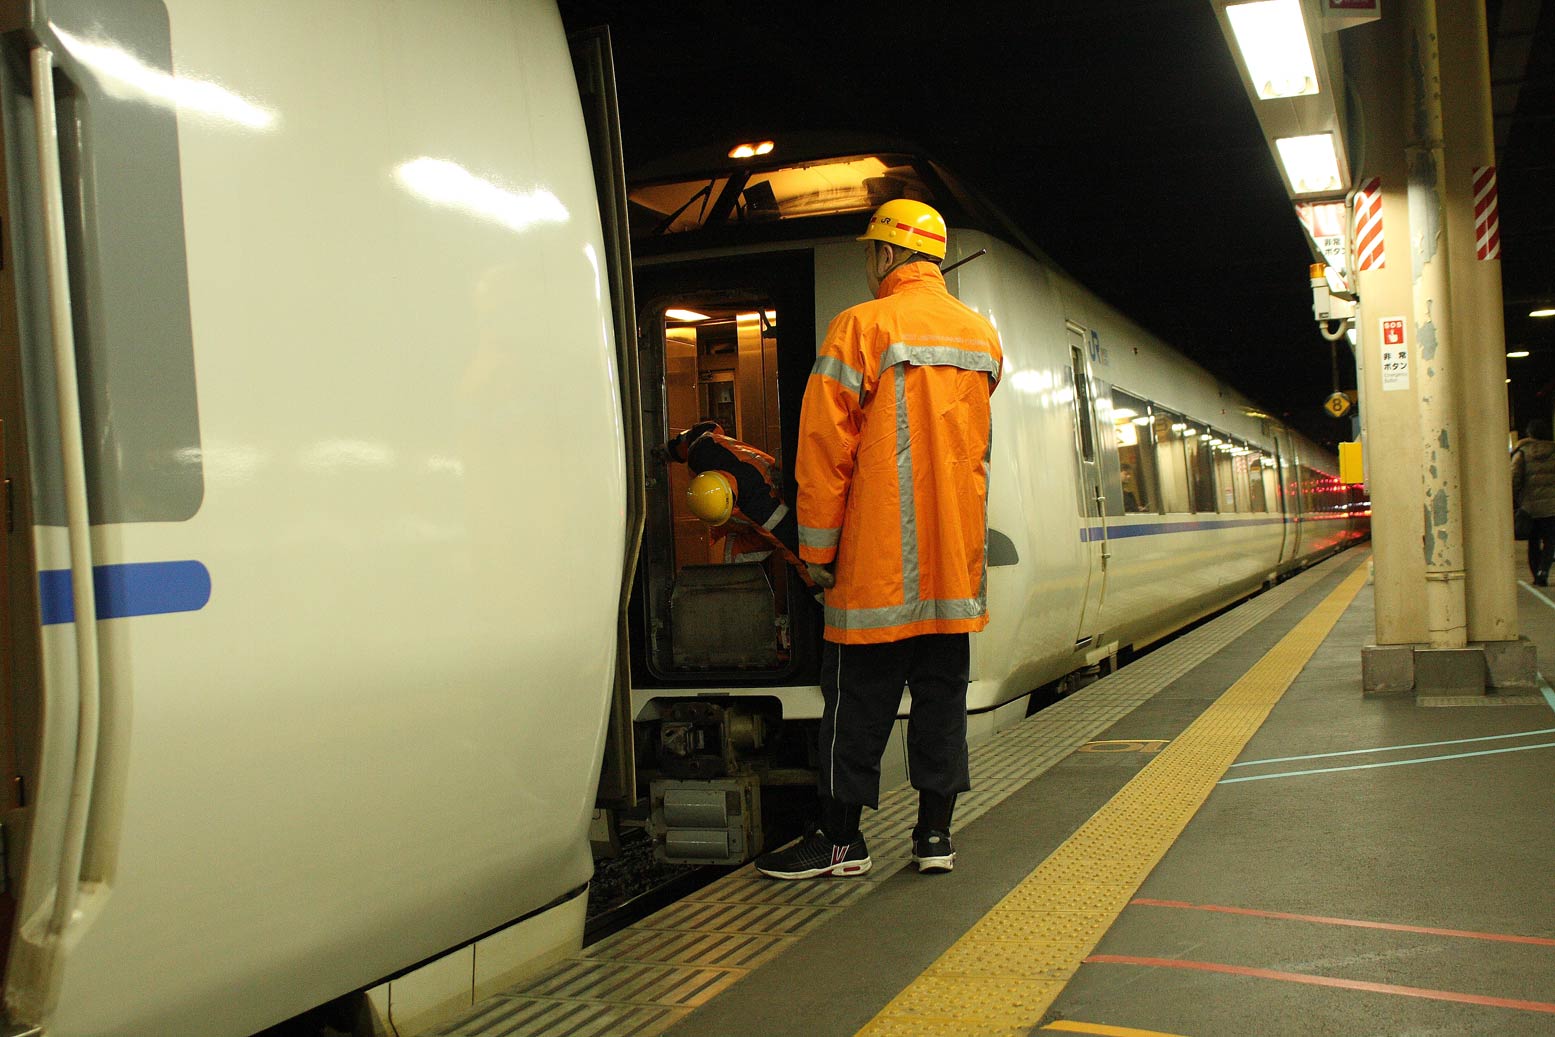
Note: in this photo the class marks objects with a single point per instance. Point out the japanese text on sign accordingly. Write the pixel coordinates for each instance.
(1395, 354)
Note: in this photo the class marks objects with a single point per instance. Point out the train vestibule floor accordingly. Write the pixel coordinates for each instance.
(1224, 837)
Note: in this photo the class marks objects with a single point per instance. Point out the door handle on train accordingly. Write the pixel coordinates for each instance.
(73, 459)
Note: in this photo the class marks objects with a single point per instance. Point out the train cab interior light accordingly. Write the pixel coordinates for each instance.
(1543, 311)
(1311, 163)
(1517, 354)
(1272, 39)
(684, 315)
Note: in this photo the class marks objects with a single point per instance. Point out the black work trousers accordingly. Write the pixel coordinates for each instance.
(862, 685)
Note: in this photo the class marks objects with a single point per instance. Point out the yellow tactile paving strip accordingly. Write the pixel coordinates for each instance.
(1009, 968)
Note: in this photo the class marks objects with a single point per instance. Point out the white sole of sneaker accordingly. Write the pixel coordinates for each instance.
(847, 870)
(946, 863)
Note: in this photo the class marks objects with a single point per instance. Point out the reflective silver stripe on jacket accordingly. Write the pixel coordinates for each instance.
(938, 356)
(839, 372)
(904, 496)
(809, 536)
(776, 517)
(901, 615)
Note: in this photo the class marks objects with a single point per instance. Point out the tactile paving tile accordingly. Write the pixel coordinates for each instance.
(715, 950)
(1092, 876)
(701, 945)
(506, 1017)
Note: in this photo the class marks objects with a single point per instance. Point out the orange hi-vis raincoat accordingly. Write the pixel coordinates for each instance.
(894, 441)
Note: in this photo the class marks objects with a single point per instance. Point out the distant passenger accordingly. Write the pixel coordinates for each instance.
(738, 492)
(894, 441)
(1533, 493)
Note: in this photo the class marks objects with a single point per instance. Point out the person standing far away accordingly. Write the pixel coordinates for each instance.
(894, 441)
(1533, 492)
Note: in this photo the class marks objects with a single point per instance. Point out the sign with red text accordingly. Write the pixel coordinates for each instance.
(1395, 354)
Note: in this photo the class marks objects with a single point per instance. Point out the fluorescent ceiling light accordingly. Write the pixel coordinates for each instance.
(1546, 311)
(1273, 41)
(1311, 163)
(684, 315)
(1123, 414)
(1517, 354)
(1142, 420)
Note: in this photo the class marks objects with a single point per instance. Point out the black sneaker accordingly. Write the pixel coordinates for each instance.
(932, 851)
(816, 855)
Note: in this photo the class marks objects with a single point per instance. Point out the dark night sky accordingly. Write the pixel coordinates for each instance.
(1116, 133)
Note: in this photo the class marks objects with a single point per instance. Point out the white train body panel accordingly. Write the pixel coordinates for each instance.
(377, 739)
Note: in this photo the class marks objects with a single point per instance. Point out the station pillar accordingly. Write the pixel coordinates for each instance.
(1478, 319)
(1439, 461)
(1389, 408)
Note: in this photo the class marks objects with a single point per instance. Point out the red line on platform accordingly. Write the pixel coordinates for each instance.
(1325, 981)
(1537, 941)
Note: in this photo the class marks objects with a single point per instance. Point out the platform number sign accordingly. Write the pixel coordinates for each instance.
(1395, 354)
(1338, 405)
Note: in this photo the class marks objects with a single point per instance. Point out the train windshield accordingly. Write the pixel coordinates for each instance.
(829, 187)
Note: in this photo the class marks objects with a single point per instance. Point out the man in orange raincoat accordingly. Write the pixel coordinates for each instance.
(894, 442)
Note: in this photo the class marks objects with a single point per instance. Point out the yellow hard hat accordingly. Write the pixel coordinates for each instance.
(711, 498)
(909, 224)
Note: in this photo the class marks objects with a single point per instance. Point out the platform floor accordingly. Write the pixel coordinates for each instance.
(1222, 838)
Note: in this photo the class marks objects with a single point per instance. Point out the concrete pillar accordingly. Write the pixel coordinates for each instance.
(1479, 333)
(1437, 360)
(1390, 417)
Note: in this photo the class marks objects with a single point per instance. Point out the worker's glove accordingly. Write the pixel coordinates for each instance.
(820, 575)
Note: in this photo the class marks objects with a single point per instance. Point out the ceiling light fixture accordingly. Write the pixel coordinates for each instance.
(1273, 40)
(678, 314)
(1517, 354)
(1543, 311)
(1311, 163)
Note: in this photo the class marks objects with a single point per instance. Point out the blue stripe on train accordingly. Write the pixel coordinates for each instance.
(132, 589)
(1088, 534)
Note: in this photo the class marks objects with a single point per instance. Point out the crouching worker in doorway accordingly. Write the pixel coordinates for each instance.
(737, 491)
(894, 442)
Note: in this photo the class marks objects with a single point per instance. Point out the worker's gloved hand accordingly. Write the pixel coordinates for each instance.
(821, 575)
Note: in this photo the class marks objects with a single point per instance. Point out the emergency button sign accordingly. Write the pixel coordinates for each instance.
(1395, 355)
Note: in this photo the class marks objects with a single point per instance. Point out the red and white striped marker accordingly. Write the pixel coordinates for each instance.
(1487, 218)
(1369, 251)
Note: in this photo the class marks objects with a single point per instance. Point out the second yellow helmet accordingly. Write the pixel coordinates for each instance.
(711, 498)
(909, 224)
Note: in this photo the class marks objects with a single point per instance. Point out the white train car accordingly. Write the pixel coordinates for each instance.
(298, 303)
(1131, 492)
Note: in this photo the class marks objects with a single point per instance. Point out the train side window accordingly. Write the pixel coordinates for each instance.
(1255, 481)
(1082, 402)
(1133, 429)
(1271, 483)
(1239, 471)
(1225, 477)
(1201, 466)
(1171, 460)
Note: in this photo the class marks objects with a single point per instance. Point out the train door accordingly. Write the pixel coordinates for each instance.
(594, 65)
(1093, 501)
(730, 342)
(1295, 504)
(1287, 507)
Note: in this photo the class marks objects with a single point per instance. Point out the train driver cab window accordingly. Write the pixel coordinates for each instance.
(851, 184)
(1133, 429)
(1201, 466)
(1171, 460)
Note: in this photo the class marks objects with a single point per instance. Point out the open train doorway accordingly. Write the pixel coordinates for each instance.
(731, 343)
